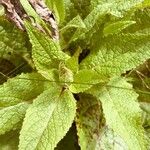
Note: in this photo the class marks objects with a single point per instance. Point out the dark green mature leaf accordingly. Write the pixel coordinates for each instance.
(10, 117)
(82, 7)
(118, 54)
(122, 112)
(89, 122)
(24, 87)
(142, 18)
(11, 39)
(47, 120)
(46, 53)
(117, 27)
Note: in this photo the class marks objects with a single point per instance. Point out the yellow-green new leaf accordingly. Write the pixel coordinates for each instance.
(76, 22)
(84, 80)
(47, 120)
(11, 117)
(46, 53)
(122, 112)
(24, 87)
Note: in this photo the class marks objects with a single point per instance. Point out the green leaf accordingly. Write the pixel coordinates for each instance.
(120, 6)
(73, 62)
(24, 87)
(84, 80)
(30, 11)
(146, 3)
(11, 117)
(82, 7)
(71, 12)
(46, 53)
(59, 8)
(9, 141)
(11, 39)
(65, 74)
(1, 11)
(117, 27)
(96, 14)
(118, 54)
(89, 122)
(142, 18)
(47, 120)
(76, 22)
(122, 112)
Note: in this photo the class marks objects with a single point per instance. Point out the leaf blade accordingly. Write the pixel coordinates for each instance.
(123, 53)
(46, 53)
(11, 39)
(24, 87)
(122, 113)
(10, 117)
(45, 118)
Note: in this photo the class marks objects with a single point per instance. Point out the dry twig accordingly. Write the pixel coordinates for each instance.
(47, 15)
(16, 13)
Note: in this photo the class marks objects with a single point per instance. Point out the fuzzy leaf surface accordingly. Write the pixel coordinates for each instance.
(120, 6)
(11, 39)
(47, 120)
(118, 54)
(24, 87)
(11, 116)
(95, 15)
(76, 22)
(84, 80)
(46, 53)
(122, 112)
(117, 27)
